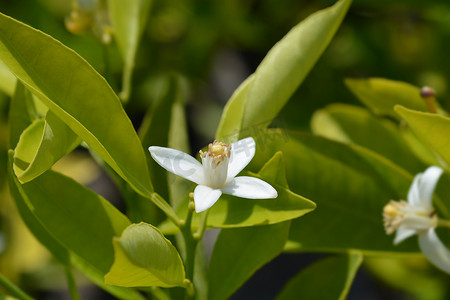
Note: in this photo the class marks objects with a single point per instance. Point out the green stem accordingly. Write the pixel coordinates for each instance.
(202, 227)
(71, 283)
(167, 209)
(13, 289)
(190, 246)
(443, 223)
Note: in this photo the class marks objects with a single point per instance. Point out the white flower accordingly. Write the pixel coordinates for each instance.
(217, 172)
(417, 216)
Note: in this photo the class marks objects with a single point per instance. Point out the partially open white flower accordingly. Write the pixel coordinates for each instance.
(417, 216)
(217, 172)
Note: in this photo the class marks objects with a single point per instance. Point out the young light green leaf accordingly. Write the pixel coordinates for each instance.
(77, 95)
(97, 277)
(431, 129)
(232, 212)
(22, 112)
(239, 252)
(350, 185)
(144, 257)
(42, 144)
(263, 95)
(329, 278)
(288, 62)
(381, 95)
(355, 125)
(128, 19)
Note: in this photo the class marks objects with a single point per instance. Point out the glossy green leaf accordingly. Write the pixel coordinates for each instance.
(330, 278)
(350, 186)
(288, 62)
(128, 19)
(7, 80)
(381, 95)
(42, 144)
(231, 212)
(431, 129)
(144, 257)
(78, 218)
(31, 221)
(77, 95)
(285, 66)
(58, 249)
(355, 125)
(22, 112)
(239, 252)
(426, 154)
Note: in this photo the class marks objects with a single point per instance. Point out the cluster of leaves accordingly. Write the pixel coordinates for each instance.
(352, 163)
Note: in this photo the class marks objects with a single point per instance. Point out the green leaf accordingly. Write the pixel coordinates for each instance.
(32, 222)
(97, 277)
(329, 278)
(144, 257)
(381, 95)
(350, 186)
(77, 95)
(355, 125)
(239, 252)
(128, 19)
(178, 139)
(156, 126)
(281, 72)
(413, 276)
(22, 112)
(78, 218)
(231, 212)
(42, 144)
(59, 250)
(7, 80)
(431, 129)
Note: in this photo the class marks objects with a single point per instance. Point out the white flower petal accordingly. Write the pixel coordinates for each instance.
(205, 197)
(435, 250)
(178, 163)
(250, 187)
(428, 183)
(242, 153)
(413, 193)
(402, 234)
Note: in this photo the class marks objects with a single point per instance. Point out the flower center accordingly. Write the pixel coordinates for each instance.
(400, 213)
(215, 164)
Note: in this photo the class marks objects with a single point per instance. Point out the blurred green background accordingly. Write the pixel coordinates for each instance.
(215, 45)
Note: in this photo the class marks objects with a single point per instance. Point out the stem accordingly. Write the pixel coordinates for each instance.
(443, 223)
(13, 289)
(168, 210)
(428, 95)
(71, 284)
(190, 246)
(202, 227)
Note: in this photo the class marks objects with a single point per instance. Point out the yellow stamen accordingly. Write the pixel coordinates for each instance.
(217, 149)
(390, 210)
